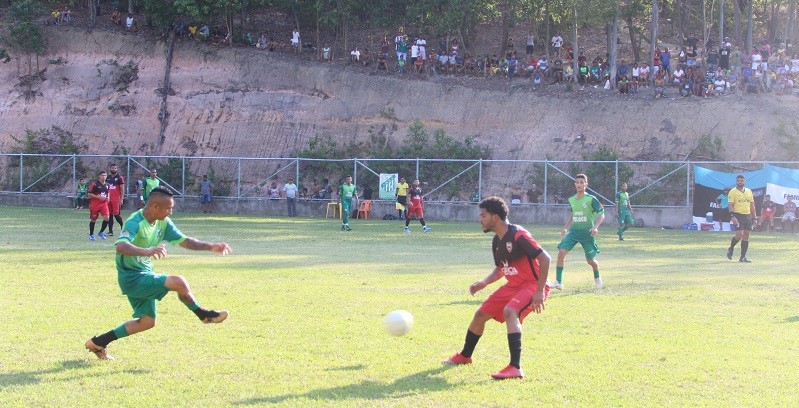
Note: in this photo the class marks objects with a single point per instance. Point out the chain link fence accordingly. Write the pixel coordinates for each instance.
(533, 182)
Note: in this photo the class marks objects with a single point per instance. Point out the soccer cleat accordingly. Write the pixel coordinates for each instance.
(100, 352)
(744, 260)
(457, 359)
(110, 233)
(219, 318)
(347, 227)
(508, 372)
(621, 238)
(729, 254)
(555, 285)
(91, 238)
(102, 235)
(426, 229)
(408, 230)
(598, 283)
(342, 227)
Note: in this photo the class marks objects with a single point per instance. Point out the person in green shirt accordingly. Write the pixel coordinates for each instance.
(151, 183)
(582, 226)
(142, 238)
(345, 194)
(80, 197)
(625, 211)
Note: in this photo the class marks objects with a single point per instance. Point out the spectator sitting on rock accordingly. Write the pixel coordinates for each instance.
(366, 57)
(381, 62)
(660, 85)
(679, 76)
(203, 33)
(624, 85)
(326, 53)
(644, 73)
(129, 22)
(355, 55)
(261, 42)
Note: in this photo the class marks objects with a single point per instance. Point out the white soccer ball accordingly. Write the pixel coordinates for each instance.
(398, 322)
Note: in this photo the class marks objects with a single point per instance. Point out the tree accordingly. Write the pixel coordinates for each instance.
(25, 36)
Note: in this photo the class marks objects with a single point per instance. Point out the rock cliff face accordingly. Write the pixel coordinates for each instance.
(245, 102)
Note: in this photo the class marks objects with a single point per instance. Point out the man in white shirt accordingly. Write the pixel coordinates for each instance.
(678, 75)
(557, 42)
(290, 190)
(129, 22)
(295, 40)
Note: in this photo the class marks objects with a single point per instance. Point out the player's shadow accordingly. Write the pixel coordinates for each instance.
(793, 319)
(14, 378)
(414, 384)
(476, 302)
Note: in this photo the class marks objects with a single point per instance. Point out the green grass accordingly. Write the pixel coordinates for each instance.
(677, 324)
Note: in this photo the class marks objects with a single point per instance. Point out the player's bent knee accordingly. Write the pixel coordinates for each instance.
(176, 283)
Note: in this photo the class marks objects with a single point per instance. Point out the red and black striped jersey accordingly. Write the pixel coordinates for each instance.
(515, 254)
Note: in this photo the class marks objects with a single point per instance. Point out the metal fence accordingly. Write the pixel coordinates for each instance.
(651, 183)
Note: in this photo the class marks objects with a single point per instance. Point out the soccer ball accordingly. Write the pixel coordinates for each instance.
(398, 322)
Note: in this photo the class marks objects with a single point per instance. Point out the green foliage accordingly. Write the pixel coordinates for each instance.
(601, 175)
(45, 141)
(667, 192)
(24, 34)
(417, 145)
(710, 147)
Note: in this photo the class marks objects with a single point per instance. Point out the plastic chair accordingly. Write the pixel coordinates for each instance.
(364, 209)
(336, 208)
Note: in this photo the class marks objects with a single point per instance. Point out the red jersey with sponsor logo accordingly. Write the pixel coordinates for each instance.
(99, 190)
(115, 185)
(515, 254)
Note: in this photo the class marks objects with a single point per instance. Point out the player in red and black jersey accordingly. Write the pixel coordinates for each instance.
(116, 185)
(525, 265)
(98, 194)
(415, 207)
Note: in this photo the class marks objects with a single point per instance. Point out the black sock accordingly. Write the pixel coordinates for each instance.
(515, 347)
(119, 220)
(733, 243)
(407, 222)
(103, 226)
(469, 344)
(204, 313)
(91, 228)
(422, 221)
(744, 247)
(103, 339)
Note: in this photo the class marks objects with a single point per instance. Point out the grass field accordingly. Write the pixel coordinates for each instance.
(676, 325)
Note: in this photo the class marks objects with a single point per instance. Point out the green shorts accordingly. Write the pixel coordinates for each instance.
(143, 291)
(626, 219)
(585, 239)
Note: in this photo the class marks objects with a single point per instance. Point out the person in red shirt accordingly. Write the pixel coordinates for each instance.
(116, 193)
(98, 194)
(525, 265)
(415, 207)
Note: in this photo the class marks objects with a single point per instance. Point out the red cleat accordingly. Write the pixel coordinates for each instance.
(508, 372)
(457, 359)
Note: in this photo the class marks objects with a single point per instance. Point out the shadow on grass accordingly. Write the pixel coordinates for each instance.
(476, 302)
(793, 319)
(34, 377)
(347, 368)
(414, 384)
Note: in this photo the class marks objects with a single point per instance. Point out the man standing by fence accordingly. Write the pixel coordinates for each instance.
(290, 189)
(345, 194)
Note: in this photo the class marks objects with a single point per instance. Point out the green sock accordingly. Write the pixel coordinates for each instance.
(619, 231)
(559, 274)
(121, 331)
(596, 273)
(194, 306)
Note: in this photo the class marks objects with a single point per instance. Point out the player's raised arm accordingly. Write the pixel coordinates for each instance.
(126, 248)
(197, 245)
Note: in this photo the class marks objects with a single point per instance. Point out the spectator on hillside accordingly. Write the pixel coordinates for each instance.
(660, 85)
(384, 47)
(66, 15)
(204, 33)
(644, 72)
(366, 57)
(665, 60)
(724, 58)
(414, 52)
(621, 70)
(691, 54)
(512, 62)
(557, 43)
(712, 59)
(624, 85)
(678, 77)
(422, 43)
(355, 55)
(381, 62)
(533, 194)
(295, 41)
(544, 65)
(129, 22)
(261, 42)
(530, 48)
(116, 17)
(735, 60)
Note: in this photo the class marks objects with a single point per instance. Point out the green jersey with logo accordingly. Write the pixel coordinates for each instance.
(150, 184)
(584, 211)
(139, 232)
(623, 202)
(346, 192)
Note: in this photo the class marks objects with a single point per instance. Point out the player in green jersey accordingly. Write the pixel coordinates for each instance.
(142, 238)
(345, 194)
(625, 211)
(150, 183)
(582, 226)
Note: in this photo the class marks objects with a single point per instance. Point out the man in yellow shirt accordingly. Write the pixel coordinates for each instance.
(742, 208)
(402, 198)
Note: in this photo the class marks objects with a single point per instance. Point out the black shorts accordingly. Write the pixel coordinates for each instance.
(403, 200)
(744, 221)
(530, 49)
(721, 214)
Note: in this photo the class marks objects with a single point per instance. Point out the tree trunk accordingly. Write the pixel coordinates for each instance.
(654, 43)
(721, 22)
(504, 13)
(736, 10)
(130, 6)
(704, 27)
(790, 32)
(92, 13)
(633, 41)
(614, 45)
(773, 22)
(575, 48)
(548, 34)
(319, 45)
(749, 25)
(680, 16)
